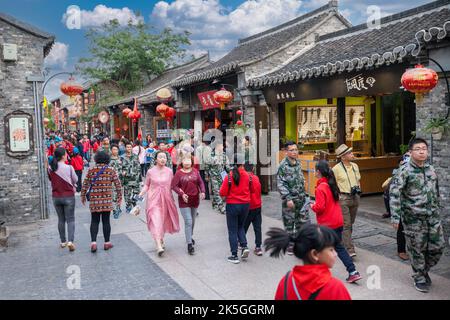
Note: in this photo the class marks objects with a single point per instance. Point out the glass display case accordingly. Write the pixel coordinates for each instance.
(316, 125)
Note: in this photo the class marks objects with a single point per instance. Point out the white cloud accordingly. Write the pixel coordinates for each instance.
(215, 28)
(58, 55)
(102, 14)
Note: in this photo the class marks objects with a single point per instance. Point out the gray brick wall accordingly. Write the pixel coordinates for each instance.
(19, 179)
(433, 106)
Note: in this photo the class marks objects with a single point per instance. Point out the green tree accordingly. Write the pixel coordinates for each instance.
(128, 55)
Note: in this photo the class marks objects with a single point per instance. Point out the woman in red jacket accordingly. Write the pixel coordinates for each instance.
(314, 244)
(236, 188)
(329, 213)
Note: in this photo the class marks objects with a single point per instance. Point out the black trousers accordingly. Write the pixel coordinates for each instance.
(95, 222)
(203, 175)
(80, 177)
(401, 241)
(254, 217)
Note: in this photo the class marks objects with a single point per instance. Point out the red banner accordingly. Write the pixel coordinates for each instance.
(207, 100)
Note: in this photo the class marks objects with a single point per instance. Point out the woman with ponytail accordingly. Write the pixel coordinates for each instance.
(329, 213)
(314, 245)
(236, 188)
(63, 179)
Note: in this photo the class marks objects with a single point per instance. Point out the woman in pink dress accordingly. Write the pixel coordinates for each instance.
(162, 214)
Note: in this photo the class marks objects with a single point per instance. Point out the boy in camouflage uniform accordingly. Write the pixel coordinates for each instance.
(291, 185)
(414, 197)
(131, 176)
(214, 166)
(163, 148)
(116, 163)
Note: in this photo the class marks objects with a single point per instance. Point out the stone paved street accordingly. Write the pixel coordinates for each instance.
(34, 267)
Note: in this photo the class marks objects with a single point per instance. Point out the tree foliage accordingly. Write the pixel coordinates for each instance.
(130, 55)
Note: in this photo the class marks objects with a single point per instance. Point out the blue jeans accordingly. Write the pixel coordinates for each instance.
(236, 216)
(65, 209)
(342, 252)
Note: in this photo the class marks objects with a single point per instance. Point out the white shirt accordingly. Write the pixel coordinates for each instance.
(140, 155)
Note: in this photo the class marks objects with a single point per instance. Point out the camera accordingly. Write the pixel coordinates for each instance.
(355, 190)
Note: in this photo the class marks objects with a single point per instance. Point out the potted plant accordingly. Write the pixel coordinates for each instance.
(437, 127)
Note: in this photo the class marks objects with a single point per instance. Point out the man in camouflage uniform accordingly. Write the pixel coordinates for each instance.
(214, 166)
(291, 185)
(131, 176)
(163, 148)
(116, 163)
(414, 198)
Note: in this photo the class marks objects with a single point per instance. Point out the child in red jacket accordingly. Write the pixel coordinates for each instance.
(314, 244)
(254, 215)
(329, 213)
(78, 165)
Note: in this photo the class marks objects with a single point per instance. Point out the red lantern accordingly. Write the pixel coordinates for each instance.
(171, 112)
(239, 123)
(73, 123)
(135, 114)
(118, 130)
(223, 96)
(419, 79)
(71, 88)
(125, 127)
(162, 109)
(126, 112)
(239, 112)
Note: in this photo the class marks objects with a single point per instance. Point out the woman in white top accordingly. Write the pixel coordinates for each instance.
(140, 152)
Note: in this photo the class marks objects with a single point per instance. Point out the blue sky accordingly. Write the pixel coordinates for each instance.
(216, 25)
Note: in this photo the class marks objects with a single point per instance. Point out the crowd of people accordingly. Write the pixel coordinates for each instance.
(134, 171)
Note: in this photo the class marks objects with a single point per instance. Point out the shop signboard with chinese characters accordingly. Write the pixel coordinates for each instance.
(385, 80)
(207, 100)
(19, 140)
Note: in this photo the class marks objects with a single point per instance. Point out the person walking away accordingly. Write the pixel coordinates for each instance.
(216, 166)
(116, 164)
(162, 215)
(348, 180)
(99, 184)
(202, 153)
(236, 189)
(78, 165)
(315, 246)
(291, 186)
(414, 199)
(188, 184)
(329, 213)
(86, 149)
(254, 215)
(139, 151)
(401, 241)
(131, 175)
(63, 180)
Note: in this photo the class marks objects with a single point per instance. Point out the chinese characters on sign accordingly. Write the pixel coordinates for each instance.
(19, 134)
(359, 83)
(207, 100)
(286, 95)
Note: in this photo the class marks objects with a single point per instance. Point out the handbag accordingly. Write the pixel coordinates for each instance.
(88, 193)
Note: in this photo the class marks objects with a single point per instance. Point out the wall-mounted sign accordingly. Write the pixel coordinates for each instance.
(359, 82)
(19, 134)
(207, 100)
(103, 117)
(164, 133)
(383, 80)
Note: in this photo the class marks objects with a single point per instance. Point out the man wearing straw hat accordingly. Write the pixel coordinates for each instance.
(348, 179)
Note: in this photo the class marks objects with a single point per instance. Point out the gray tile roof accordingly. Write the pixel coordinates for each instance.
(400, 35)
(148, 93)
(49, 39)
(259, 46)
